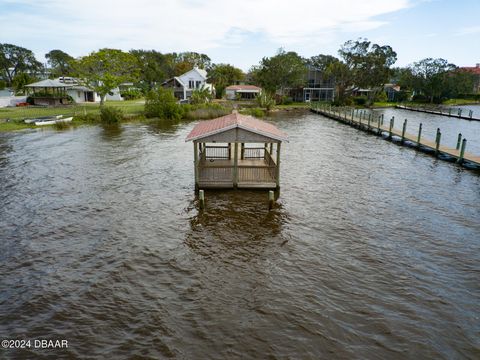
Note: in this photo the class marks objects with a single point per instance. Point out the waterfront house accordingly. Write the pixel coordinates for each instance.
(475, 70)
(317, 87)
(242, 92)
(185, 84)
(236, 151)
(60, 91)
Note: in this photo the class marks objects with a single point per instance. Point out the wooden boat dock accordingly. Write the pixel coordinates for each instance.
(448, 113)
(376, 125)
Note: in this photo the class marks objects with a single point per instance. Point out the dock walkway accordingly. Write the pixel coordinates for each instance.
(448, 113)
(377, 126)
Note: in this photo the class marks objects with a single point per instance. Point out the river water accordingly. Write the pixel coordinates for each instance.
(373, 250)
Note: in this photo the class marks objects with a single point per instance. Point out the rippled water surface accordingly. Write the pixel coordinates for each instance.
(373, 250)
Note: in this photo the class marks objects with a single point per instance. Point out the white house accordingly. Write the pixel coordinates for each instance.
(184, 84)
(242, 92)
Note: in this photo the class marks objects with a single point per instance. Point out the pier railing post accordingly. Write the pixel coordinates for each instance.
(404, 129)
(378, 125)
(419, 137)
(369, 119)
(392, 120)
(459, 141)
(381, 122)
(470, 114)
(437, 141)
(462, 151)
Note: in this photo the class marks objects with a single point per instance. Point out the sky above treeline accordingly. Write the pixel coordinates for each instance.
(242, 32)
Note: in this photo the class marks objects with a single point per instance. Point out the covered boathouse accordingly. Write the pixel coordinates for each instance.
(236, 151)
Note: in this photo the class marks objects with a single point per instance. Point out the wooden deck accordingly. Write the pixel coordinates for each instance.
(252, 173)
(376, 126)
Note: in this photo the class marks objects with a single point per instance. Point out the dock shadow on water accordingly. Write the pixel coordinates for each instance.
(235, 225)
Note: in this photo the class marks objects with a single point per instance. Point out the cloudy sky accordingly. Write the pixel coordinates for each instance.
(242, 32)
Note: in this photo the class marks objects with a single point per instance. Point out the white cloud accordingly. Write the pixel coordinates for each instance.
(179, 25)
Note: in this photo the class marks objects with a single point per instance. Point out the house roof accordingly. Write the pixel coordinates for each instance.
(472, 69)
(243, 87)
(49, 84)
(235, 120)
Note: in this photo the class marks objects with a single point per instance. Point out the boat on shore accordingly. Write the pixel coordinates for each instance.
(48, 120)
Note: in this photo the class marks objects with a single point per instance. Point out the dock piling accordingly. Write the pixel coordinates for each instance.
(419, 133)
(392, 120)
(462, 151)
(437, 141)
(201, 198)
(271, 199)
(459, 141)
(403, 130)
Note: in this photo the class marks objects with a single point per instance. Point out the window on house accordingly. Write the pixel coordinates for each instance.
(191, 84)
(198, 85)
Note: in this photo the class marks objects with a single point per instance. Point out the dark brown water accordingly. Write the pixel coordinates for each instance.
(372, 252)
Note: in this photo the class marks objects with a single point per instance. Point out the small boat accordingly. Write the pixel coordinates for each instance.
(53, 120)
(42, 118)
(48, 120)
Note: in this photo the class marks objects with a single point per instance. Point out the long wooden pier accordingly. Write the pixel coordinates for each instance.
(375, 124)
(449, 113)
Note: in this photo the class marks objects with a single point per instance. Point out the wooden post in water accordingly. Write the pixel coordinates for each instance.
(419, 137)
(271, 199)
(437, 141)
(382, 120)
(353, 115)
(392, 120)
(378, 125)
(459, 112)
(459, 141)
(404, 129)
(462, 151)
(201, 198)
(369, 119)
(470, 114)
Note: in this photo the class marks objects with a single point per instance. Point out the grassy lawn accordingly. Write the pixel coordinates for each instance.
(129, 107)
(16, 115)
(457, 102)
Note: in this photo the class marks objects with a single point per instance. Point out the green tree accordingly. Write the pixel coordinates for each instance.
(194, 59)
(201, 96)
(60, 63)
(369, 64)
(106, 69)
(20, 80)
(430, 77)
(280, 72)
(265, 101)
(14, 60)
(161, 103)
(322, 62)
(223, 75)
(344, 79)
(155, 67)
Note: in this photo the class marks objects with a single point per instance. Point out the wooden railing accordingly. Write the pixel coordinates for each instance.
(216, 152)
(216, 173)
(254, 153)
(256, 174)
(269, 160)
